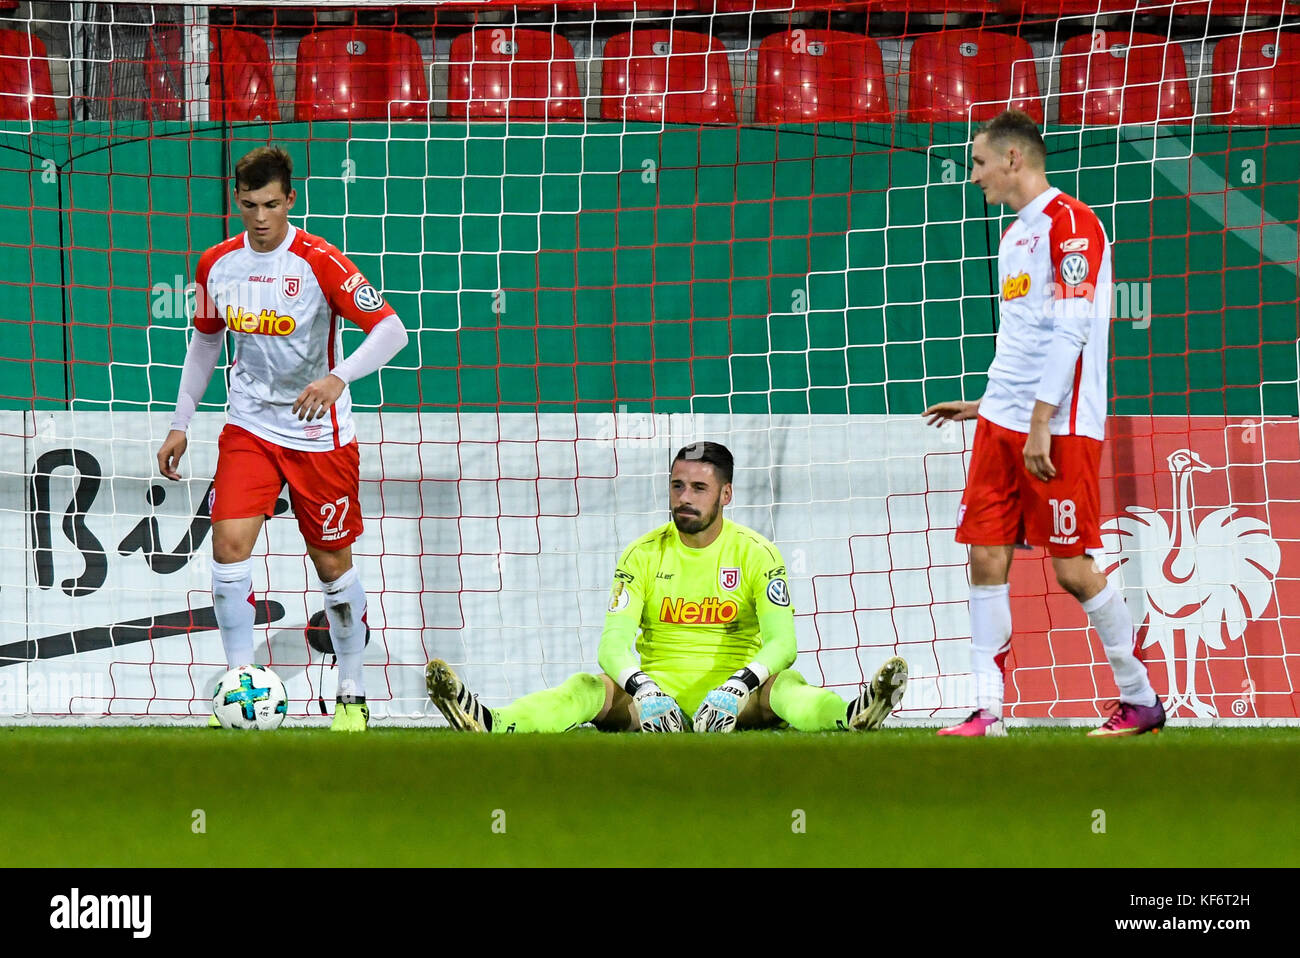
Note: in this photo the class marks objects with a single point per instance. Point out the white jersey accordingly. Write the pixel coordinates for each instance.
(1054, 268)
(283, 310)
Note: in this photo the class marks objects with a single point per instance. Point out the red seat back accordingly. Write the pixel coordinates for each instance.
(808, 75)
(164, 73)
(355, 73)
(960, 75)
(516, 73)
(670, 76)
(1257, 79)
(1110, 77)
(26, 92)
(241, 86)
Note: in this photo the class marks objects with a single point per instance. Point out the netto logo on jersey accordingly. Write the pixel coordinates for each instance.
(712, 611)
(1013, 287)
(265, 323)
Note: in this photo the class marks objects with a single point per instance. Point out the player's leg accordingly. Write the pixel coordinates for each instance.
(244, 490)
(990, 622)
(579, 699)
(787, 697)
(1068, 514)
(323, 487)
(990, 523)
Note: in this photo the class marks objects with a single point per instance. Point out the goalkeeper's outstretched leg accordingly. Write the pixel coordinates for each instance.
(808, 708)
(458, 705)
(579, 699)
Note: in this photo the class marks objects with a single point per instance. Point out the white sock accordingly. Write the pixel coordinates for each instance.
(345, 607)
(1110, 617)
(990, 640)
(232, 599)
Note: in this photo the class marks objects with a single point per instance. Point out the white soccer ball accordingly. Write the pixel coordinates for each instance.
(250, 697)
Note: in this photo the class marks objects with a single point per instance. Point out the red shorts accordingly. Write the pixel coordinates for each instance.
(323, 486)
(1005, 505)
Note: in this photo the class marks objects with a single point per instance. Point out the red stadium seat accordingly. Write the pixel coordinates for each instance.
(808, 75)
(26, 92)
(356, 73)
(1222, 8)
(241, 85)
(164, 73)
(241, 88)
(961, 75)
(669, 76)
(1257, 79)
(1069, 8)
(1111, 77)
(521, 74)
(646, 6)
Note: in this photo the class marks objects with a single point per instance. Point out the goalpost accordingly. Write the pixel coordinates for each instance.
(738, 220)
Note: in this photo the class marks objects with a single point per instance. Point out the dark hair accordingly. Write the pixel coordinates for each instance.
(714, 453)
(259, 167)
(1017, 125)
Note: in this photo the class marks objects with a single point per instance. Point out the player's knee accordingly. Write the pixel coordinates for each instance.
(989, 565)
(786, 678)
(331, 566)
(1079, 577)
(228, 547)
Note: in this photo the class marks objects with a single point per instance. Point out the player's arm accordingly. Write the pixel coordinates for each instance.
(385, 340)
(771, 594)
(657, 711)
(1076, 246)
(956, 410)
(351, 297)
(200, 361)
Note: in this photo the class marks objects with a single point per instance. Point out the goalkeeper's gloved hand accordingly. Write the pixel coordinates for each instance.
(657, 711)
(722, 707)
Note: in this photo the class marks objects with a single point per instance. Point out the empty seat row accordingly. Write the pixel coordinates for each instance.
(679, 76)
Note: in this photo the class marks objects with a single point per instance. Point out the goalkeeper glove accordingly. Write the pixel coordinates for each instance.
(656, 711)
(722, 707)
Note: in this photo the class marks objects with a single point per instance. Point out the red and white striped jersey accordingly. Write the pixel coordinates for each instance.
(283, 309)
(1054, 271)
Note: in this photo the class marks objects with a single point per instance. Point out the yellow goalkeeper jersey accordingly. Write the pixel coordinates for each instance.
(702, 613)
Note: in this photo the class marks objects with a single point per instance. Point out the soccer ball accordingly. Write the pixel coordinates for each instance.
(250, 697)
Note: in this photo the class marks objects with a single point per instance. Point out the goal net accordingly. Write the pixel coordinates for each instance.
(615, 228)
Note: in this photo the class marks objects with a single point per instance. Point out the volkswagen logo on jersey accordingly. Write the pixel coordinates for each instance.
(728, 579)
(367, 297)
(1074, 269)
(777, 593)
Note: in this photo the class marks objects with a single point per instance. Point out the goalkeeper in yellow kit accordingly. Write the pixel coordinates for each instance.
(716, 640)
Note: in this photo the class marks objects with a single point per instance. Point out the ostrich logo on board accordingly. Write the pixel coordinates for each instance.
(1205, 581)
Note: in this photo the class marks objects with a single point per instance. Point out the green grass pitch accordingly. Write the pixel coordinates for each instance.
(419, 797)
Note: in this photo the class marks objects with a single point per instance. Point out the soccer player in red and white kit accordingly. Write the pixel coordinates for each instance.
(282, 294)
(1041, 422)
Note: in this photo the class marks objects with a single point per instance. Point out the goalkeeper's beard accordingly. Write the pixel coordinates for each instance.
(692, 524)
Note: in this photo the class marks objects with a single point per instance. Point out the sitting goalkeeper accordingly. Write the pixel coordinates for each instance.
(716, 642)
